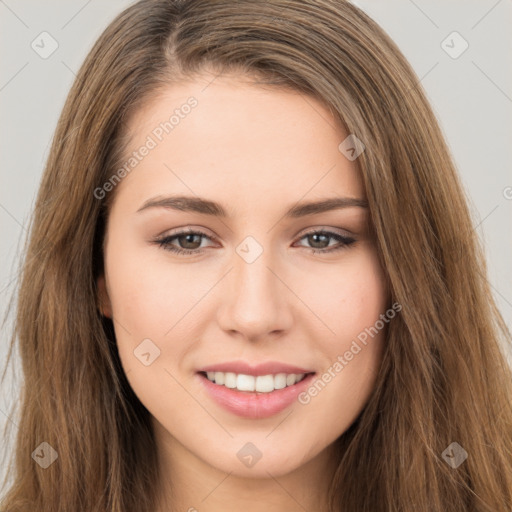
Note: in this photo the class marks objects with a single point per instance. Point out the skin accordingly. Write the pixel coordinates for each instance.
(257, 152)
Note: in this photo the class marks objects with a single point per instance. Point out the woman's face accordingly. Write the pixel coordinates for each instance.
(249, 298)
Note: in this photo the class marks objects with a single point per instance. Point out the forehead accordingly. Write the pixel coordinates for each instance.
(226, 138)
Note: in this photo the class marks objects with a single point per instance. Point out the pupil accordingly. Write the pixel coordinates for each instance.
(187, 240)
(316, 236)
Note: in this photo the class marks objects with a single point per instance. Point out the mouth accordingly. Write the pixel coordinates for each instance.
(255, 384)
(254, 396)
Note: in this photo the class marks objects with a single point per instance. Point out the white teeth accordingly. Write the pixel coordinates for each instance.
(261, 383)
(265, 383)
(280, 381)
(230, 380)
(245, 382)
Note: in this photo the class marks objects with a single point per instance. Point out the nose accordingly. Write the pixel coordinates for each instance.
(255, 303)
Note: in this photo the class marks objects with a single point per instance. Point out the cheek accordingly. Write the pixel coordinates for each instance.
(148, 294)
(352, 355)
(353, 298)
(150, 305)
(352, 348)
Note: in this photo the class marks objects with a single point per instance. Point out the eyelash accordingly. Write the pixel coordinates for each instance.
(165, 242)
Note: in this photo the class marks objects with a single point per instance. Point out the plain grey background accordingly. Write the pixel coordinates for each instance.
(470, 91)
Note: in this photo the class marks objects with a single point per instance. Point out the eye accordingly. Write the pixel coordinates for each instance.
(188, 237)
(191, 239)
(318, 238)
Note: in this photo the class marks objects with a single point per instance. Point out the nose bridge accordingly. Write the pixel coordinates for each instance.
(255, 303)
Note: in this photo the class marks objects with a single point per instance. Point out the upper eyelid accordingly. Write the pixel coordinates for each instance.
(186, 231)
(305, 231)
(327, 229)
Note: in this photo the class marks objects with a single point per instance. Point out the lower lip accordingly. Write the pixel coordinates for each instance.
(251, 404)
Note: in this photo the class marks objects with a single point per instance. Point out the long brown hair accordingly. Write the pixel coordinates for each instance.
(444, 376)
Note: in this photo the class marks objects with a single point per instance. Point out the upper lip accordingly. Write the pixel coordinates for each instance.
(265, 368)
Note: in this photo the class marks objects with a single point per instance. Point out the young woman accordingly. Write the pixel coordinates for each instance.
(252, 281)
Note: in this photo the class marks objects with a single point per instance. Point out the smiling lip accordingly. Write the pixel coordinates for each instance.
(269, 367)
(252, 404)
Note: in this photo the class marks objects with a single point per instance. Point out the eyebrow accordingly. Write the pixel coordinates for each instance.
(207, 207)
